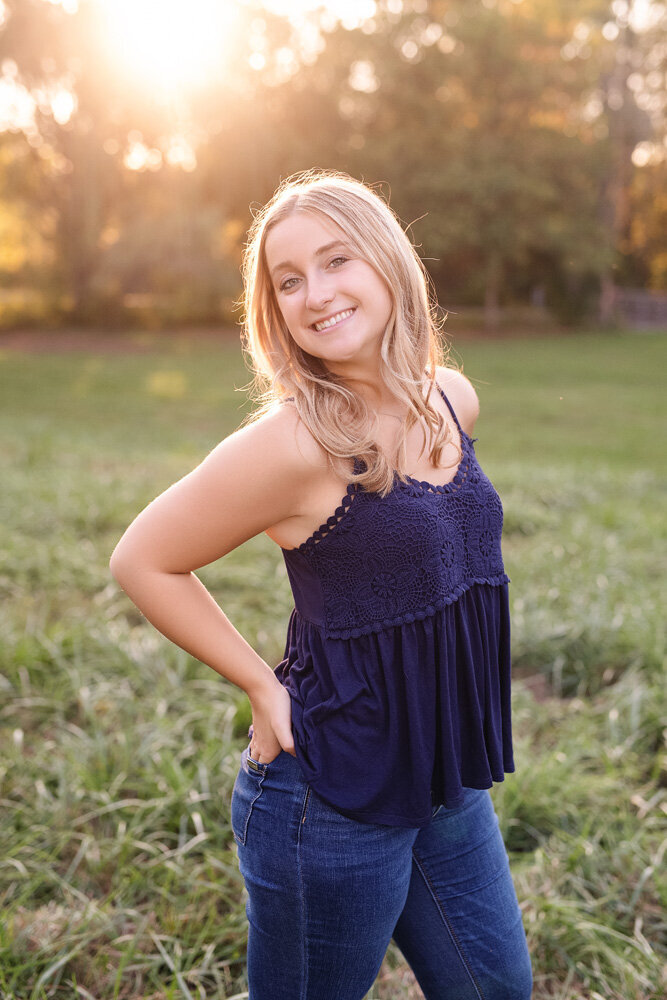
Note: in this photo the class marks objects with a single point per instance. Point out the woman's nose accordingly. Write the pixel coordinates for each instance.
(320, 292)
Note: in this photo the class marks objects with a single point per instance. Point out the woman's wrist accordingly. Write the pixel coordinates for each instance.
(261, 689)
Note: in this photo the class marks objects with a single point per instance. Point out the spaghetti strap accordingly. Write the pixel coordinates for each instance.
(451, 408)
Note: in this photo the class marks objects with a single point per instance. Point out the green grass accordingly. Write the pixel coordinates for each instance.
(118, 751)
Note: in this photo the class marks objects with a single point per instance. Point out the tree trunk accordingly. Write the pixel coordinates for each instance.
(606, 312)
(492, 291)
(80, 222)
(616, 212)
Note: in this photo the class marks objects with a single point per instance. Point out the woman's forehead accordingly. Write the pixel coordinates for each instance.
(300, 233)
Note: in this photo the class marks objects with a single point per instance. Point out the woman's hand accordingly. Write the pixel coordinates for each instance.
(272, 723)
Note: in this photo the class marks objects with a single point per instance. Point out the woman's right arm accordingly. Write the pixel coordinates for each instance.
(252, 480)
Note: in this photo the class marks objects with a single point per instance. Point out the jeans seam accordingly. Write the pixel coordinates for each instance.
(303, 810)
(304, 951)
(242, 839)
(446, 921)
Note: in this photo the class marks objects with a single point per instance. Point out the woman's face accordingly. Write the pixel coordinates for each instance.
(317, 277)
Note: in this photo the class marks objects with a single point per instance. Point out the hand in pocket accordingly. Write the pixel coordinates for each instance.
(271, 724)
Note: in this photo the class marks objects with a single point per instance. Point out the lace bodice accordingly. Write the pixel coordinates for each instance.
(379, 562)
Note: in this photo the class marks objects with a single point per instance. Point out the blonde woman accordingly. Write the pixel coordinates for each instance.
(361, 809)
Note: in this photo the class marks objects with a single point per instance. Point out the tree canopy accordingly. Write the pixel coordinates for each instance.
(522, 142)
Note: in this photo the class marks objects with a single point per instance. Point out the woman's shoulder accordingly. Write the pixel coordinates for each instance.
(461, 394)
(281, 429)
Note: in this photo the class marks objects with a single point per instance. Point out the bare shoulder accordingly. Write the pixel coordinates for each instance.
(281, 438)
(273, 459)
(461, 394)
(254, 478)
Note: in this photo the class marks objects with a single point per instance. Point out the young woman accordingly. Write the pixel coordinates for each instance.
(361, 808)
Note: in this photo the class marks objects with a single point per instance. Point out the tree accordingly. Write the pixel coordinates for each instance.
(492, 126)
(469, 113)
(83, 155)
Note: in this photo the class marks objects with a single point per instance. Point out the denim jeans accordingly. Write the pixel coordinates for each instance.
(325, 894)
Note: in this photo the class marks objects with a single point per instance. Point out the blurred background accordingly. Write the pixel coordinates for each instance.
(522, 144)
(522, 141)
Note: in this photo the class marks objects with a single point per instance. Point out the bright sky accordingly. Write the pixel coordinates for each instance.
(169, 43)
(173, 43)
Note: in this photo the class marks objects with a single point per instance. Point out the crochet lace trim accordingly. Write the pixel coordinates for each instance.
(429, 611)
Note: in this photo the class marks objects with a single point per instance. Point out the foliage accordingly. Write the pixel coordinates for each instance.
(496, 126)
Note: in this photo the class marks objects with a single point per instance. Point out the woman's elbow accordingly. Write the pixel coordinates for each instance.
(131, 564)
(121, 563)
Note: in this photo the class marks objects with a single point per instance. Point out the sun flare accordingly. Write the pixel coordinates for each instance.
(171, 44)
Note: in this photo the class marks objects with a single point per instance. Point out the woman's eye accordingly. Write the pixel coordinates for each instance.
(285, 286)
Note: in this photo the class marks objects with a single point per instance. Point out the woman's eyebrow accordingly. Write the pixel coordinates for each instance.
(318, 253)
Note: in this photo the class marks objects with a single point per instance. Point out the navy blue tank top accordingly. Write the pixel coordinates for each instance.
(397, 658)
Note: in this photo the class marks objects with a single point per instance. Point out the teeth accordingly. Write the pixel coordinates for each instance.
(334, 319)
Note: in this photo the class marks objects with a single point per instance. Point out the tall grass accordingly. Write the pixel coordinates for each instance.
(118, 876)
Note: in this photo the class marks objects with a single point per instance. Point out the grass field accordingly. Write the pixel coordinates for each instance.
(118, 751)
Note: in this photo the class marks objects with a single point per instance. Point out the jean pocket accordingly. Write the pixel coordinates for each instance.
(247, 789)
(255, 766)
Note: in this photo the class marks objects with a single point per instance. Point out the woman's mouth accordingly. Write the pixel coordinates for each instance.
(333, 321)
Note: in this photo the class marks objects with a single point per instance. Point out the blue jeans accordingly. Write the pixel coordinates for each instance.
(327, 893)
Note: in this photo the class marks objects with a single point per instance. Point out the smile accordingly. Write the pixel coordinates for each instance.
(333, 320)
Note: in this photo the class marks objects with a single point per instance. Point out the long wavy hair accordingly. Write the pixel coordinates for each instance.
(338, 417)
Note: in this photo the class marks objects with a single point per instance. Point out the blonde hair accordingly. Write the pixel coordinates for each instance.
(337, 416)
